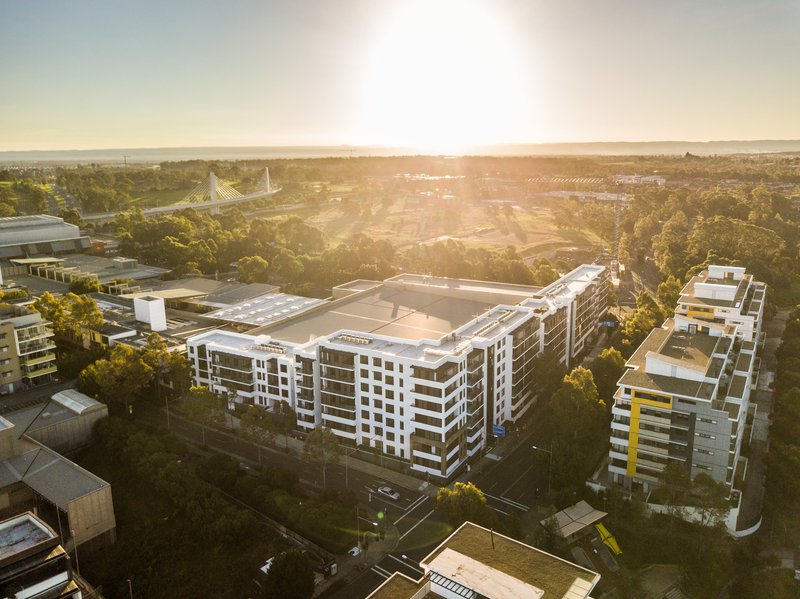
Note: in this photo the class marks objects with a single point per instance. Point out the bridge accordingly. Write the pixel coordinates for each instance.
(212, 194)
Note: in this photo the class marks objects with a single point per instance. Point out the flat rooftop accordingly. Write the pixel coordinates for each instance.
(696, 348)
(552, 575)
(265, 309)
(105, 269)
(398, 586)
(22, 532)
(688, 292)
(386, 310)
(692, 349)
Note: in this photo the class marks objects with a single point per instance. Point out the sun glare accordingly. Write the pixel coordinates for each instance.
(443, 76)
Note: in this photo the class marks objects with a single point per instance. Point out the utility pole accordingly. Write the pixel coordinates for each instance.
(125, 158)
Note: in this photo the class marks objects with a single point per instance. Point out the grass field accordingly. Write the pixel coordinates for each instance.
(533, 231)
(160, 198)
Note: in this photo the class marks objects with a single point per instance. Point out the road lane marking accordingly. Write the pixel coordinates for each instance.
(514, 504)
(516, 482)
(380, 572)
(417, 524)
(397, 559)
(408, 511)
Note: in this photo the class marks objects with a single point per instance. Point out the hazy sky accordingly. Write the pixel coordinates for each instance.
(425, 73)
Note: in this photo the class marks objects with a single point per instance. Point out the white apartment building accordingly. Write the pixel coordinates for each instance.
(684, 397)
(725, 294)
(418, 367)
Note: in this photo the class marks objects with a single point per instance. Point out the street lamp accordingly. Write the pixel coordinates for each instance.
(549, 464)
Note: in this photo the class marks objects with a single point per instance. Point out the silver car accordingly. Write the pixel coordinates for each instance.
(389, 492)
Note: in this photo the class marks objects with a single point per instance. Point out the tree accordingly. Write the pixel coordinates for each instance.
(255, 426)
(639, 323)
(84, 285)
(119, 378)
(72, 216)
(714, 501)
(579, 428)
(289, 577)
(283, 421)
(321, 447)
(204, 407)
(548, 372)
(69, 314)
(464, 502)
(170, 366)
(607, 369)
(253, 269)
(668, 294)
(677, 485)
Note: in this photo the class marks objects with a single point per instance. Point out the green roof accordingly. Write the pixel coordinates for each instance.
(549, 573)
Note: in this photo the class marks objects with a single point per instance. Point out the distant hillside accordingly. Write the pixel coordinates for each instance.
(154, 155)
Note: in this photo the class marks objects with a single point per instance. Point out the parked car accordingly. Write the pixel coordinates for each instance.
(389, 492)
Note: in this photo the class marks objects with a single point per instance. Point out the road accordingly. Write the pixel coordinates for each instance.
(515, 483)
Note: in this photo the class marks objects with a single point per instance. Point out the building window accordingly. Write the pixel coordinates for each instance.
(364, 360)
(376, 361)
(364, 374)
(389, 365)
(364, 387)
(389, 394)
(365, 428)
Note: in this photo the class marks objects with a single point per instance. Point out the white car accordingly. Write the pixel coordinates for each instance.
(389, 492)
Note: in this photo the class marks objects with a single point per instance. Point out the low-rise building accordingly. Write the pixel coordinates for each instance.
(477, 563)
(418, 367)
(35, 477)
(26, 349)
(33, 562)
(39, 234)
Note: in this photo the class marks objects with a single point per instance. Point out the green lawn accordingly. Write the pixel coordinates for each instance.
(160, 198)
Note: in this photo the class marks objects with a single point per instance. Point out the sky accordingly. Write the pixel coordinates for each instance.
(426, 74)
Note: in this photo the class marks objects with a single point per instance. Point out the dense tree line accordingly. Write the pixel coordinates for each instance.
(451, 258)
(200, 521)
(751, 226)
(782, 499)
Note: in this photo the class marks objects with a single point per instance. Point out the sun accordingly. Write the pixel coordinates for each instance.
(443, 76)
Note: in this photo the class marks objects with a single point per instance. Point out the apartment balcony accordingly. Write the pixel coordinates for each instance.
(616, 455)
(48, 357)
(43, 370)
(32, 333)
(334, 373)
(32, 348)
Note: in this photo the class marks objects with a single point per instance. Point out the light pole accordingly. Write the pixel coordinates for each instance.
(549, 464)
(75, 547)
(130, 588)
(346, 464)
